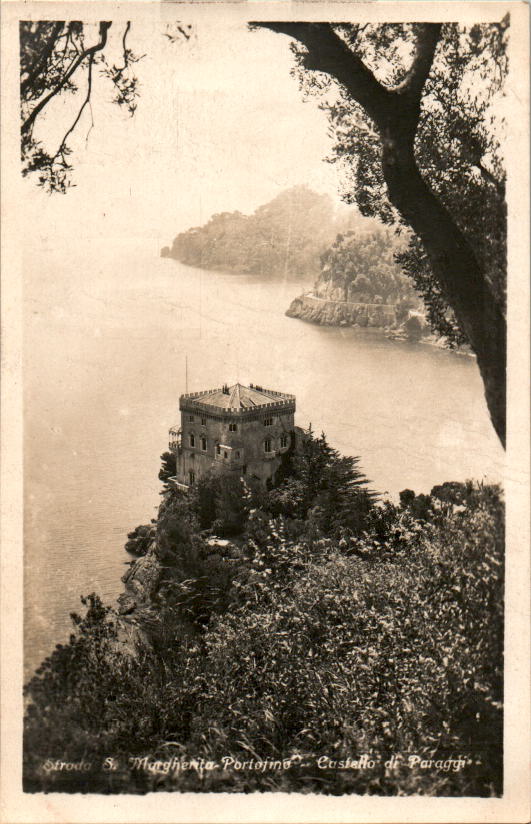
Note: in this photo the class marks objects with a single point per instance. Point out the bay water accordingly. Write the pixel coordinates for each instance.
(107, 340)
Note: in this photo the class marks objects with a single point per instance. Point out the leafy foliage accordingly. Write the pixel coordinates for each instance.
(414, 263)
(400, 651)
(53, 57)
(315, 482)
(282, 237)
(390, 641)
(457, 143)
(323, 487)
(168, 468)
(361, 267)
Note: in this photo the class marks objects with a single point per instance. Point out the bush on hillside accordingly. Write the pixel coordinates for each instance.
(317, 647)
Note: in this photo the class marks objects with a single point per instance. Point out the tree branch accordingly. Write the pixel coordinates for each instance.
(490, 178)
(86, 101)
(41, 61)
(328, 53)
(124, 50)
(395, 112)
(103, 29)
(427, 39)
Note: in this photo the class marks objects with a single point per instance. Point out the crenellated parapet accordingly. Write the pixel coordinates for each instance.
(285, 406)
(243, 407)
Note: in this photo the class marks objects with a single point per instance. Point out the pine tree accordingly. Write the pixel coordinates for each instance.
(325, 481)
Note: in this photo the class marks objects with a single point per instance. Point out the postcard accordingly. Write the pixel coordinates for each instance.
(265, 412)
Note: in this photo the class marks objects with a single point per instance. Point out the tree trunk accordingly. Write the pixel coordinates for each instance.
(456, 268)
(396, 112)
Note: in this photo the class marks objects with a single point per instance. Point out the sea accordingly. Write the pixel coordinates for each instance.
(112, 338)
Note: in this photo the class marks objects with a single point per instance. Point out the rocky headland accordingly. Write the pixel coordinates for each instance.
(313, 309)
(284, 237)
(237, 617)
(359, 284)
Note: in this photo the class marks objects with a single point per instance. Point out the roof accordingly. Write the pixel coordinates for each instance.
(238, 397)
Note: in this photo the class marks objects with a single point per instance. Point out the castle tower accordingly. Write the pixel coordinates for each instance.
(237, 429)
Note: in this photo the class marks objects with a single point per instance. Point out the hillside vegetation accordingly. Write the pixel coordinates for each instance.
(361, 284)
(293, 639)
(284, 237)
(362, 268)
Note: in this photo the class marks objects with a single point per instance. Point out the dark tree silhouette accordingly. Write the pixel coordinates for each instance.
(405, 163)
(54, 55)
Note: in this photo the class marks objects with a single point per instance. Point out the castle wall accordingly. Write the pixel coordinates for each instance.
(241, 450)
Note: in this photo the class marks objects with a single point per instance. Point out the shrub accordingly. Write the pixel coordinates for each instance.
(300, 647)
(341, 656)
(325, 483)
(168, 467)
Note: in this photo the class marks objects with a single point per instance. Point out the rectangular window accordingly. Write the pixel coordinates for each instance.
(233, 427)
(268, 421)
(192, 439)
(267, 445)
(244, 469)
(283, 441)
(190, 417)
(203, 444)
(192, 476)
(203, 421)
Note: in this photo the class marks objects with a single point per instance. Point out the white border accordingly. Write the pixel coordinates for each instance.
(175, 807)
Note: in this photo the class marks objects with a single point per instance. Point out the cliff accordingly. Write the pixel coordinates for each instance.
(359, 284)
(341, 313)
(141, 582)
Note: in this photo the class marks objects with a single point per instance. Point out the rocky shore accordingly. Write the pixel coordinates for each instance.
(413, 328)
(313, 309)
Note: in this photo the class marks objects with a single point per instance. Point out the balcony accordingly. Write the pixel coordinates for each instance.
(175, 439)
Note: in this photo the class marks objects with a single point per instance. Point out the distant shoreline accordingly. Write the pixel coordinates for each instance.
(301, 280)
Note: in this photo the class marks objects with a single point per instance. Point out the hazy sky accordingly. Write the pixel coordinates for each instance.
(220, 125)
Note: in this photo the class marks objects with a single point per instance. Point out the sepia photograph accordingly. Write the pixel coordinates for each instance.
(267, 450)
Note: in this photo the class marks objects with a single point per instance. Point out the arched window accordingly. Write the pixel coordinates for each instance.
(192, 439)
(283, 441)
(204, 444)
(267, 445)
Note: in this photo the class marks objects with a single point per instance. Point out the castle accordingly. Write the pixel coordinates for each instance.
(242, 430)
